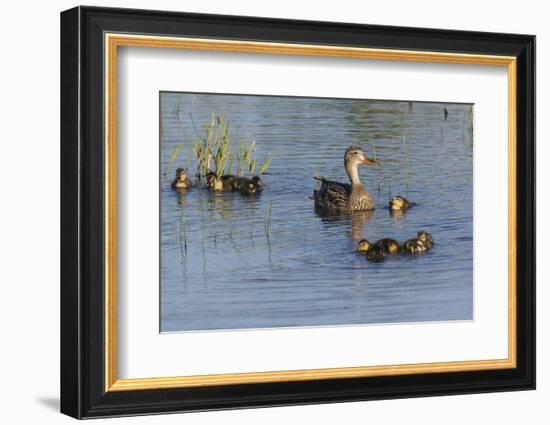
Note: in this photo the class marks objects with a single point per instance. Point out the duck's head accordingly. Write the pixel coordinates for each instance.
(257, 181)
(354, 155)
(181, 175)
(397, 203)
(425, 237)
(393, 247)
(251, 186)
(210, 178)
(363, 245)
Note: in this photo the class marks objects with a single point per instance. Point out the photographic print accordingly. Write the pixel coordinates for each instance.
(281, 211)
(319, 227)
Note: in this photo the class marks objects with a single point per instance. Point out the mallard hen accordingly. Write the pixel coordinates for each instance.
(344, 197)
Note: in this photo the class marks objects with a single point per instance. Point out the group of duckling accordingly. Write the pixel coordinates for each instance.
(231, 183)
(225, 183)
(331, 196)
(380, 249)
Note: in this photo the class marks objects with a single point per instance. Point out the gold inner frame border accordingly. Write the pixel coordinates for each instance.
(112, 41)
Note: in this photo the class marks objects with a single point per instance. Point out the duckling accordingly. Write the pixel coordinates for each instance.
(181, 182)
(363, 246)
(390, 246)
(376, 253)
(414, 246)
(246, 186)
(257, 182)
(219, 184)
(426, 238)
(399, 203)
(210, 180)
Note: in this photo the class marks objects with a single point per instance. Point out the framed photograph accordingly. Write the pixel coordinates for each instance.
(261, 212)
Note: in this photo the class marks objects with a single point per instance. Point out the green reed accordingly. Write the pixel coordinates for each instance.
(320, 163)
(244, 157)
(214, 145)
(268, 220)
(266, 164)
(175, 153)
(198, 151)
(183, 235)
(221, 145)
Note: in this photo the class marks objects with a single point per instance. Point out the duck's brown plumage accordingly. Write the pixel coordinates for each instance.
(414, 246)
(181, 182)
(344, 197)
(376, 253)
(231, 183)
(390, 246)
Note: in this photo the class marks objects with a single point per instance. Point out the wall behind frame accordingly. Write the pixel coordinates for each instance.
(29, 221)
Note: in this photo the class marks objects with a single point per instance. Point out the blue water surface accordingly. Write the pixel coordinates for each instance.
(231, 262)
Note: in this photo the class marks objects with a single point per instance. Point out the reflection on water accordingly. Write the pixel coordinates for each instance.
(231, 262)
(356, 221)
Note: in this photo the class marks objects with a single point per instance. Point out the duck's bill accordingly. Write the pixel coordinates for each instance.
(369, 161)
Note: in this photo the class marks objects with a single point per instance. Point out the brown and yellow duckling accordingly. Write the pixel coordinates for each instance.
(231, 183)
(400, 203)
(390, 246)
(219, 184)
(419, 245)
(181, 182)
(376, 253)
(414, 247)
(363, 246)
(378, 250)
(426, 238)
(247, 186)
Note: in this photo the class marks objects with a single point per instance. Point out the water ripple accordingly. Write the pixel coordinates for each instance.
(221, 269)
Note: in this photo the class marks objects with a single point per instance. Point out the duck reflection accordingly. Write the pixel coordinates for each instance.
(181, 198)
(357, 220)
(397, 215)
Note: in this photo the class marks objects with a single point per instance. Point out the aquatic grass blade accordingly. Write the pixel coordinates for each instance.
(266, 164)
(173, 157)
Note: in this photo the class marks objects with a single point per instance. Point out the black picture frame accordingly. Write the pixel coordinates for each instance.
(83, 392)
